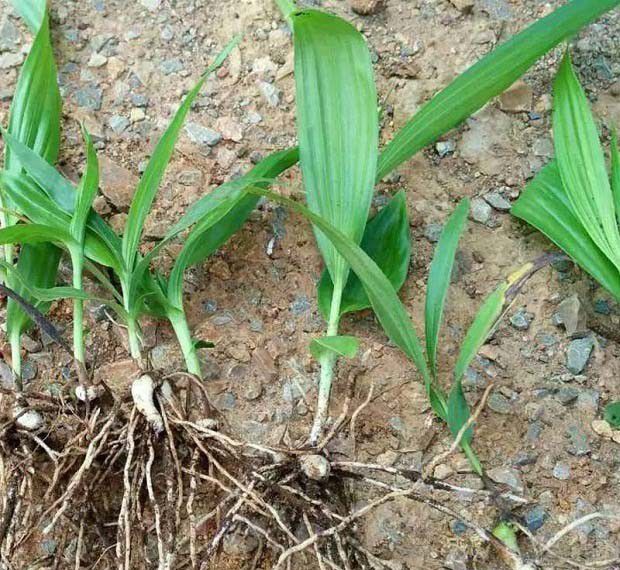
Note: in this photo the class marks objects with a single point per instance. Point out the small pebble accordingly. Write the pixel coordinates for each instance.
(561, 471)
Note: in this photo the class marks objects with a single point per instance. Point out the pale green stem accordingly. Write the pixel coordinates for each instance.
(135, 346)
(78, 310)
(178, 319)
(16, 356)
(327, 362)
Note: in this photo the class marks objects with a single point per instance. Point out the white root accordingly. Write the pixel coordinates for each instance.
(142, 393)
(89, 393)
(27, 419)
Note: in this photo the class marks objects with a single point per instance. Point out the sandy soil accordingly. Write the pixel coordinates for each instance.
(123, 68)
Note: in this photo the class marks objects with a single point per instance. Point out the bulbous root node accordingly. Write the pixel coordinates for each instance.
(315, 467)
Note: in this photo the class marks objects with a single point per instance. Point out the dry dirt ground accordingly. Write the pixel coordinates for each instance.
(123, 69)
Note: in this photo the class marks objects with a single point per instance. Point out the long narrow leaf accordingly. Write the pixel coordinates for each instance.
(337, 123)
(487, 78)
(151, 179)
(86, 191)
(615, 173)
(581, 162)
(545, 205)
(439, 277)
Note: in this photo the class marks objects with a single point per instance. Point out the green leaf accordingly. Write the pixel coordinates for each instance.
(34, 233)
(86, 191)
(342, 345)
(154, 172)
(612, 414)
(34, 117)
(268, 168)
(581, 163)
(545, 205)
(387, 242)
(488, 78)
(31, 11)
(38, 208)
(439, 277)
(38, 264)
(505, 532)
(389, 310)
(337, 125)
(615, 173)
(485, 321)
(215, 227)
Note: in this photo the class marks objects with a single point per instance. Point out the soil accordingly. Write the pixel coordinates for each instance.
(123, 68)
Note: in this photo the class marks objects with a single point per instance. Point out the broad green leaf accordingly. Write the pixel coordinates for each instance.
(342, 345)
(34, 233)
(488, 78)
(439, 277)
(545, 205)
(388, 243)
(154, 172)
(337, 125)
(389, 310)
(268, 168)
(581, 163)
(615, 173)
(38, 208)
(86, 191)
(612, 414)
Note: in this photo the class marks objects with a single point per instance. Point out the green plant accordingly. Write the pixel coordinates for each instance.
(34, 119)
(572, 200)
(340, 161)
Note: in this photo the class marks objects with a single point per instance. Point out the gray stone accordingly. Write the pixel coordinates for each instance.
(500, 404)
(226, 401)
(270, 92)
(579, 444)
(189, 177)
(521, 320)
(9, 60)
(166, 357)
(561, 471)
(89, 97)
(169, 66)
(239, 544)
(29, 370)
(498, 202)
(9, 35)
(535, 518)
(202, 135)
(444, 148)
(456, 559)
(432, 232)
(578, 354)
(151, 5)
(571, 314)
(480, 211)
(567, 395)
(118, 123)
(300, 305)
(507, 476)
(7, 379)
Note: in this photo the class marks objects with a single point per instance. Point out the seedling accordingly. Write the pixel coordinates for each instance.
(340, 161)
(34, 119)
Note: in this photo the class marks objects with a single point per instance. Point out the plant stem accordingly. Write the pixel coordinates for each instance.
(178, 319)
(135, 346)
(78, 310)
(16, 357)
(327, 362)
